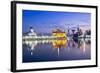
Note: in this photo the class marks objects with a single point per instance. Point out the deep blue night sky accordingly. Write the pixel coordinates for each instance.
(46, 21)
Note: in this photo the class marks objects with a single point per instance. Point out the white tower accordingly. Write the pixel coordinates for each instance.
(32, 32)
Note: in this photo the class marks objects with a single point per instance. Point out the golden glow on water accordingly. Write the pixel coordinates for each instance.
(59, 43)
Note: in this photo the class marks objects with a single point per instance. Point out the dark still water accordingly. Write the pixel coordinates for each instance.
(56, 50)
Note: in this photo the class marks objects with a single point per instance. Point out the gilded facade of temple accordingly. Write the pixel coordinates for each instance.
(59, 34)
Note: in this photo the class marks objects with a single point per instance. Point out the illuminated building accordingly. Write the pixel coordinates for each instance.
(59, 34)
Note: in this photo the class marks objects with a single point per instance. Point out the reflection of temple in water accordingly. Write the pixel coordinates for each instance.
(60, 44)
(56, 44)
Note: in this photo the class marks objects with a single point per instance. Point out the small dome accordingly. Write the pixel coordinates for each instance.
(32, 32)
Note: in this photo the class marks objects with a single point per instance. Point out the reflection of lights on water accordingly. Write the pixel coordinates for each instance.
(58, 44)
(31, 44)
(84, 49)
(58, 51)
(85, 45)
